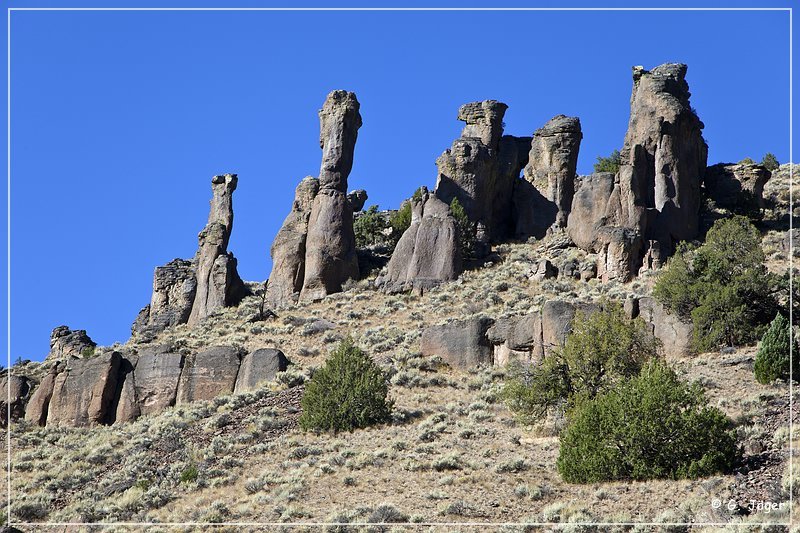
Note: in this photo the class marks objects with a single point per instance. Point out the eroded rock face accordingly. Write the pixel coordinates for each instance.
(428, 252)
(155, 379)
(588, 210)
(737, 187)
(65, 343)
(289, 247)
(517, 338)
(14, 394)
(461, 344)
(218, 282)
(357, 199)
(174, 289)
(330, 250)
(208, 374)
(39, 402)
(468, 170)
(259, 367)
(553, 161)
(84, 392)
(663, 159)
(674, 334)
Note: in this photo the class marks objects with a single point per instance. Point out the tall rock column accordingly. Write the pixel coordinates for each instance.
(553, 161)
(468, 170)
(331, 244)
(288, 250)
(218, 282)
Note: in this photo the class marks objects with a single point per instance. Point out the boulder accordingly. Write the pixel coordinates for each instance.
(259, 367)
(330, 243)
(545, 270)
(674, 334)
(65, 343)
(218, 282)
(557, 318)
(174, 289)
(516, 338)
(552, 162)
(461, 344)
(84, 392)
(736, 187)
(357, 199)
(39, 402)
(208, 374)
(14, 394)
(428, 252)
(288, 250)
(619, 253)
(156, 374)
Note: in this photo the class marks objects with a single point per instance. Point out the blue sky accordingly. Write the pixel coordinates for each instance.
(120, 119)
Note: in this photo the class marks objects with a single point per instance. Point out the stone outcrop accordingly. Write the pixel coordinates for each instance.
(65, 343)
(14, 394)
(461, 344)
(112, 388)
(428, 252)
(218, 282)
(331, 244)
(517, 338)
(289, 247)
(357, 199)
(675, 335)
(656, 193)
(84, 392)
(174, 289)
(737, 187)
(39, 402)
(314, 252)
(208, 374)
(259, 367)
(553, 161)
(468, 169)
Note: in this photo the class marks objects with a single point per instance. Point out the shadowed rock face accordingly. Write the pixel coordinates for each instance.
(218, 282)
(553, 161)
(428, 251)
(288, 250)
(14, 393)
(737, 187)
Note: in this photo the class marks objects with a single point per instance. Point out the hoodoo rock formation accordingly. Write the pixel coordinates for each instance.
(187, 291)
(218, 282)
(428, 252)
(655, 201)
(315, 250)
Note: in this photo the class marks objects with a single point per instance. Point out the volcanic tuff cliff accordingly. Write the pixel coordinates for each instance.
(511, 188)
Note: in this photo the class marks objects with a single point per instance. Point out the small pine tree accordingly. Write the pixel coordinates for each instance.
(747, 161)
(770, 162)
(608, 164)
(772, 358)
(652, 426)
(369, 227)
(466, 230)
(348, 392)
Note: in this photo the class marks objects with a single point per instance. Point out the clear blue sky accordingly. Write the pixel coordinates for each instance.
(120, 119)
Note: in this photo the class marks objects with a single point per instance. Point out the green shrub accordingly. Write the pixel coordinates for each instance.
(369, 227)
(723, 286)
(348, 392)
(773, 356)
(602, 349)
(465, 228)
(651, 426)
(400, 220)
(747, 161)
(189, 474)
(608, 164)
(770, 162)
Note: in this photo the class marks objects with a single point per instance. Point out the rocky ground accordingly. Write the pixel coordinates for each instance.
(453, 452)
